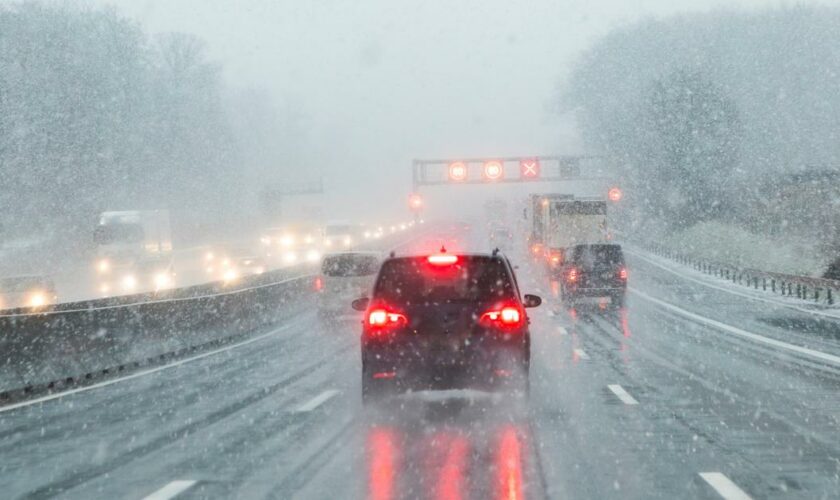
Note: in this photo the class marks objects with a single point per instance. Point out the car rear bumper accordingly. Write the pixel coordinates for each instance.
(413, 367)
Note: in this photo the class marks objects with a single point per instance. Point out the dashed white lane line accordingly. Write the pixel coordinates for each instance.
(171, 490)
(316, 401)
(822, 356)
(724, 486)
(562, 331)
(581, 354)
(623, 395)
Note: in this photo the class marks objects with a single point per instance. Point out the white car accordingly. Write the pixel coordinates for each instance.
(345, 277)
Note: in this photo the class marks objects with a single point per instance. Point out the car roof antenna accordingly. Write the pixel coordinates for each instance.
(442, 249)
(392, 254)
(496, 251)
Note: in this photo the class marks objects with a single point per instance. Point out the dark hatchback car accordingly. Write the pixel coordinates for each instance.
(445, 321)
(594, 271)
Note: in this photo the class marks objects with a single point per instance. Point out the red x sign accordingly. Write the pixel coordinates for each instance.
(529, 169)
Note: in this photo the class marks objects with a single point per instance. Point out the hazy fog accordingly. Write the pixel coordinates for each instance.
(377, 83)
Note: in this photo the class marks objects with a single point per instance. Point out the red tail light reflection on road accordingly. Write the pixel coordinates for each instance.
(509, 466)
(383, 454)
(451, 482)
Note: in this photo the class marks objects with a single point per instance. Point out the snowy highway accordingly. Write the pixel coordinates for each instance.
(690, 391)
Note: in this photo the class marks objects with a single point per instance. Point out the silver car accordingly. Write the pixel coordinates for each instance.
(344, 277)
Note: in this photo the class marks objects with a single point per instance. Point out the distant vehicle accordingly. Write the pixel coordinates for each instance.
(569, 222)
(594, 272)
(250, 265)
(340, 235)
(501, 238)
(128, 243)
(31, 291)
(294, 243)
(154, 273)
(344, 277)
(537, 214)
(445, 321)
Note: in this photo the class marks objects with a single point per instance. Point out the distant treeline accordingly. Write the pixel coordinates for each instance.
(97, 115)
(702, 112)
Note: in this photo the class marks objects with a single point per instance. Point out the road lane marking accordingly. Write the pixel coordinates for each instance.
(581, 354)
(317, 401)
(623, 395)
(822, 356)
(171, 490)
(724, 486)
(825, 314)
(141, 373)
(562, 331)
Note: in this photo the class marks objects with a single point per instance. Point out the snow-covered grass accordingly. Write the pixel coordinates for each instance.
(733, 245)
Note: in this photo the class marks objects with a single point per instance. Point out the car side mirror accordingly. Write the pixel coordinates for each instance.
(361, 304)
(532, 301)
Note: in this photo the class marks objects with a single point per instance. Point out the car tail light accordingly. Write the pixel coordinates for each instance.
(384, 318)
(319, 283)
(442, 259)
(573, 275)
(622, 273)
(506, 316)
(536, 249)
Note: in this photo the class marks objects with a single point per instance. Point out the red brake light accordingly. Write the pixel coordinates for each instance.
(572, 276)
(622, 273)
(442, 259)
(319, 284)
(383, 318)
(505, 316)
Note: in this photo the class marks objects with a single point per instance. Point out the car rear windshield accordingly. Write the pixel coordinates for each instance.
(349, 265)
(471, 279)
(591, 256)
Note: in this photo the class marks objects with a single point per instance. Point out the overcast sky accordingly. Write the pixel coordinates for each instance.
(384, 81)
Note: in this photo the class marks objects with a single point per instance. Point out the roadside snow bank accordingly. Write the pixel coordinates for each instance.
(733, 245)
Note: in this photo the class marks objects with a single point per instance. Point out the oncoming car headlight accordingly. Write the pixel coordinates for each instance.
(129, 282)
(103, 266)
(313, 256)
(162, 280)
(37, 299)
(230, 275)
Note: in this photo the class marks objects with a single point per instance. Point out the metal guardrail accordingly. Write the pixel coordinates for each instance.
(819, 290)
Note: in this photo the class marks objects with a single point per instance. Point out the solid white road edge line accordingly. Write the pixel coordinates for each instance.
(623, 395)
(581, 354)
(141, 373)
(317, 401)
(724, 486)
(734, 292)
(822, 356)
(171, 490)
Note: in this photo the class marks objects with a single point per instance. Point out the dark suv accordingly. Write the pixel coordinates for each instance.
(594, 271)
(445, 321)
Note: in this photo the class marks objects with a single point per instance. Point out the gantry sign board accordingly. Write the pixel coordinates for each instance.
(500, 170)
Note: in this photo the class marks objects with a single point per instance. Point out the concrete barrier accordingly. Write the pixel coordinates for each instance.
(79, 341)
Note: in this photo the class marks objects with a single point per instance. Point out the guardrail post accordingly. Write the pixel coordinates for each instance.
(773, 285)
(798, 291)
(830, 298)
(816, 294)
(764, 284)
